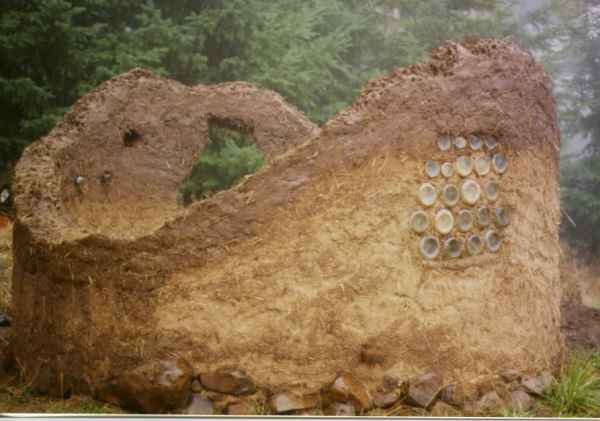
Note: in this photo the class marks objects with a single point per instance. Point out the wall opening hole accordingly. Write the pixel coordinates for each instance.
(230, 154)
(131, 137)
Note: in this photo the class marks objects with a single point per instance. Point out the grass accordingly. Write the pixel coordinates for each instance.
(515, 413)
(261, 407)
(576, 393)
(18, 398)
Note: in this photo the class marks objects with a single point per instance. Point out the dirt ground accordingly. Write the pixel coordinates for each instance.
(580, 309)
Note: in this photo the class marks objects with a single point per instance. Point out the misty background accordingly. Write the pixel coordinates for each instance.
(316, 53)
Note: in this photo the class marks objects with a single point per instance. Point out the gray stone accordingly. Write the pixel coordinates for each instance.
(390, 382)
(200, 406)
(288, 402)
(490, 403)
(453, 394)
(341, 410)
(442, 409)
(234, 382)
(385, 400)
(423, 391)
(538, 385)
(521, 401)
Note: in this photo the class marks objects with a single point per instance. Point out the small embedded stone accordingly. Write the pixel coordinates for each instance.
(390, 382)
(453, 394)
(158, 386)
(538, 385)
(288, 402)
(200, 406)
(489, 403)
(234, 382)
(341, 410)
(385, 400)
(347, 388)
(424, 390)
(510, 375)
(196, 386)
(442, 409)
(371, 356)
(521, 401)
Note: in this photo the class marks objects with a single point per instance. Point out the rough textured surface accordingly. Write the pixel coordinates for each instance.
(199, 406)
(291, 274)
(346, 388)
(424, 390)
(234, 382)
(156, 387)
(538, 385)
(288, 401)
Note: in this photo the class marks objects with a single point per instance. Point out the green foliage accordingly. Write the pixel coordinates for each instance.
(229, 156)
(316, 53)
(565, 34)
(577, 391)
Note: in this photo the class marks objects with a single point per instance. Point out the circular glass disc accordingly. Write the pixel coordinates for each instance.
(470, 192)
(500, 163)
(482, 165)
(484, 217)
(492, 191)
(475, 143)
(444, 221)
(502, 217)
(453, 247)
(427, 194)
(447, 169)
(464, 165)
(491, 143)
(474, 245)
(444, 143)
(492, 241)
(432, 169)
(460, 142)
(450, 195)
(430, 247)
(464, 220)
(419, 221)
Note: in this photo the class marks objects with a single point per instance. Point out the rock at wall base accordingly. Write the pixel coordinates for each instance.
(490, 403)
(347, 388)
(155, 387)
(442, 409)
(385, 400)
(521, 401)
(287, 402)
(340, 410)
(538, 385)
(234, 382)
(423, 391)
(200, 406)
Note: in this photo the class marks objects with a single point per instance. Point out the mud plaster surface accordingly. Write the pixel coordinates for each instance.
(290, 273)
